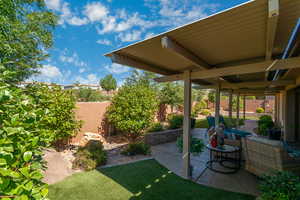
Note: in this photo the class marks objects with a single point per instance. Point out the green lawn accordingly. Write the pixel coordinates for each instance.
(145, 180)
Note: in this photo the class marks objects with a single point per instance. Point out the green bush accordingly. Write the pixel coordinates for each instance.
(133, 109)
(199, 107)
(136, 149)
(265, 123)
(155, 127)
(175, 121)
(280, 186)
(205, 112)
(31, 118)
(85, 94)
(197, 145)
(90, 156)
(201, 123)
(59, 106)
(260, 110)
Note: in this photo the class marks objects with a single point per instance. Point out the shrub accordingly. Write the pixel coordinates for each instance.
(84, 94)
(265, 123)
(90, 156)
(197, 145)
(59, 106)
(260, 110)
(280, 186)
(136, 149)
(199, 107)
(31, 118)
(201, 123)
(155, 127)
(133, 109)
(175, 121)
(205, 112)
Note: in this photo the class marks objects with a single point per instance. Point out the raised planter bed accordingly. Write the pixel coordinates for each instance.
(162, 137)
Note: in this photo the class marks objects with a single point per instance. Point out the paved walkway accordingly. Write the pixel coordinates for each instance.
(168, 155)
(250, 125)
(58, 167)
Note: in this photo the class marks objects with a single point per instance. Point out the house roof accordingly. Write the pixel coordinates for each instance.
(236, 36)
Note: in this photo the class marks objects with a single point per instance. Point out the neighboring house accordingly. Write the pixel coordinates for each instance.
(77, 86)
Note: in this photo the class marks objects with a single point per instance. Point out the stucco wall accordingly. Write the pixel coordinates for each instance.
(92, 115)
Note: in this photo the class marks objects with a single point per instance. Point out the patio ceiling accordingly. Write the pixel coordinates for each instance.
(249, 36)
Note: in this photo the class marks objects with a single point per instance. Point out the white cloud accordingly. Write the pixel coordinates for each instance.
(104, 42)
(89, 79)
(73, 59)
(175, 13)
(149, 35)
(77, 21)
(116, 68)
(50, 71)
(130, 36)
(81, 70)
(95, 11)
(53, 4)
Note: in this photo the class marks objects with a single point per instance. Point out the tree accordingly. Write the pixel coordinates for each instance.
(141, 77)
(85, 94)
(132, 109)
(108, 83)
(212, 96)
(25, 33)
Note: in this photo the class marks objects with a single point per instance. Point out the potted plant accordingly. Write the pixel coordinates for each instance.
(275, 133)
(197, 146)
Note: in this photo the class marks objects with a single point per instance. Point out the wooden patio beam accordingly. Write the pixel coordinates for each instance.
(133, 62)
(272, 21)
(183, 52)
(264, 66)
(252, 84)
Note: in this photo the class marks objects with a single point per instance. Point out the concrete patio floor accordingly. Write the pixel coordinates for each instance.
(168, 155)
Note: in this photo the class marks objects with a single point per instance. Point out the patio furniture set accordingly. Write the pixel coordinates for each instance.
(261, 155)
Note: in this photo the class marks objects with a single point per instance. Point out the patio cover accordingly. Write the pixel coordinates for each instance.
(236, 49)
(250, 36)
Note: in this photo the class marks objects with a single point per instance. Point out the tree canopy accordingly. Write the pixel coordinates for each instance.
(108, 83)
(25, 33)
(132, 109)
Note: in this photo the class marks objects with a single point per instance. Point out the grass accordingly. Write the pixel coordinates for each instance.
(144, 180)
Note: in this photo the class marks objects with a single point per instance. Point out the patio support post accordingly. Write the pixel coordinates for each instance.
(187, 125)
(237, 110)
(217, 106)
(276, 109)
(244, 107)
(230, 105)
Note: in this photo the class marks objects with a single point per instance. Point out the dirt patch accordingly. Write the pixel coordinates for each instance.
(59, 165)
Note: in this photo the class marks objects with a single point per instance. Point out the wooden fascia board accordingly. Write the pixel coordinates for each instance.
(264, 66)
(253, 84)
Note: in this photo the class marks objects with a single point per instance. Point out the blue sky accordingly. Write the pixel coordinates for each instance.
(88, 29)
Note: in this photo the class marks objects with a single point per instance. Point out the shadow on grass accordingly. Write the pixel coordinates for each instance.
(148, 180)
(144, 180)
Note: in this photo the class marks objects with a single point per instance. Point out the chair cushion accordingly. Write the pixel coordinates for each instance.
(228, 132)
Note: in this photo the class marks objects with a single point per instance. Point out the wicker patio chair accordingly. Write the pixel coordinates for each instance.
(265, 156)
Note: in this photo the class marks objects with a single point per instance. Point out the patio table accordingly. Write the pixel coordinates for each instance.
(228, 157)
